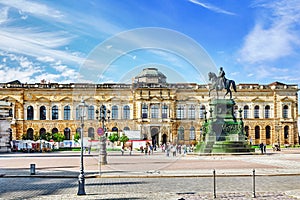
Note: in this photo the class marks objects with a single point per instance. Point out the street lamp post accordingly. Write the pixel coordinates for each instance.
(82, 111)
(103, 115)
(278, 128)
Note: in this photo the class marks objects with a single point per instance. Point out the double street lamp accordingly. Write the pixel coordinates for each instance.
(82, 112)
(103, 115)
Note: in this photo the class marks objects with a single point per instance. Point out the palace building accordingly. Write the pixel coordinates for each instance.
(160, 111)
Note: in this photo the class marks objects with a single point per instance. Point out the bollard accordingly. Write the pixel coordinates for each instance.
(214, 176)
(32, 169)
(253, 184)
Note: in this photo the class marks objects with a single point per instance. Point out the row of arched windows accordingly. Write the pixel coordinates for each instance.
(180, 111)
(191, 111)
(257, 132)
(267, 112)
(155, 111)
(67, 113)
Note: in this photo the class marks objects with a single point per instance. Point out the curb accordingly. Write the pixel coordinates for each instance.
(144, 176)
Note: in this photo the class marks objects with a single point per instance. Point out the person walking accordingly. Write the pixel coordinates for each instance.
(168, 149)
(261, 146)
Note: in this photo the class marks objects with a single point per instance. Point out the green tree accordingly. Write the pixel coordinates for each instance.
(76, 137)
(47, 136)
(124, 139)
(36, 137)
(113, 137)
(58, 137)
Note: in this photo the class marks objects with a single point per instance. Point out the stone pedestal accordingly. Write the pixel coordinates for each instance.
(223, 132)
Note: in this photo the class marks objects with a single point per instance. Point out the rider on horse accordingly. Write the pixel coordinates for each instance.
(221, 78)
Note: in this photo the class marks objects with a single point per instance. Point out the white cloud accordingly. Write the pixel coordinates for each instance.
(3, 14)
(274, 35)
(36, 44)
(33, 8)
(46, 59)
(211, 7)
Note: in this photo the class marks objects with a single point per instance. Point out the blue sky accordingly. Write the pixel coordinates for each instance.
(255, 41)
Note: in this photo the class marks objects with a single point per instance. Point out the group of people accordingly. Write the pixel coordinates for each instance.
(263, 148)
(148, 149)
(174, 149)
(168, 148)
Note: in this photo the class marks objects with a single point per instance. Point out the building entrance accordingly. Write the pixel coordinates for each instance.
(164, 139)
(154, 136)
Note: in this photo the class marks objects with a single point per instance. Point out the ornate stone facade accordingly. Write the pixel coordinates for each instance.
(161, 111)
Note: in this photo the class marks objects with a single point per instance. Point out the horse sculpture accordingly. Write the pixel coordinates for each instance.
(218, 84)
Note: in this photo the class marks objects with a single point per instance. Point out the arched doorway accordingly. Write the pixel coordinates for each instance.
(154, 136)
(91, 133)
(114, 129)
(164, 139)
(30, 134)
(67, 133)
(42, 133)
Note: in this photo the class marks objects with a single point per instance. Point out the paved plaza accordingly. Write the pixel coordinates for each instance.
(156, 176)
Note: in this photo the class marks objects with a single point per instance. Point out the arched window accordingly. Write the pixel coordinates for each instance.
(144, 111)
(114, 129)
(256, 112)
(126, 128)
(29, 113)
(192, 133)
(67, 113)
(67, 133)
(285, 111)
(54, 130)
(267, 112)
(42, 133)
(180, 112)
(91, 133)
(42, 113)
(154, 111)
(191, 112)
(246, 112)
(268, 132)
(54, 112)
(126, 112)
(202, 111)
(257, 132)
(164, 112)
(247, 131)
(30, 134)
(286, 132)
(114, 112)
(180, 133)
(78, 131)
(91, 113)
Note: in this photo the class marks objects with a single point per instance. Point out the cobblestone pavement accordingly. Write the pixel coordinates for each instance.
(151, 176)
(150, 188)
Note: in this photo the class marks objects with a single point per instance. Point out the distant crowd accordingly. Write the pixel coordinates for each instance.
(168, 148)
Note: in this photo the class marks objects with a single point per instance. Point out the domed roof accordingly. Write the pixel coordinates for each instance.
(147, 72)
(150, 75)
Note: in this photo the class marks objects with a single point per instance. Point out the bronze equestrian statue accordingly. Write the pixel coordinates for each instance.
(219, 83)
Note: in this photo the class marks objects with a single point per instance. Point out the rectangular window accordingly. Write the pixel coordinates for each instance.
(180, 112)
